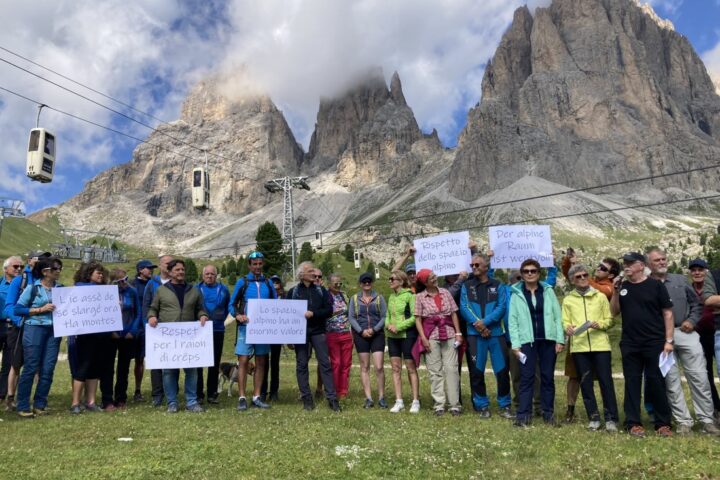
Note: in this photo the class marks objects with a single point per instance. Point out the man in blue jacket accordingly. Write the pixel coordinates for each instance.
(156, 376)
(144, 270)
(12, 266)
(14, 337)
(216, 300)
(483, 302)
(252, 285)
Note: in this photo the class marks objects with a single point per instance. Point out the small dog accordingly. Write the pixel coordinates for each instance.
(229, 375)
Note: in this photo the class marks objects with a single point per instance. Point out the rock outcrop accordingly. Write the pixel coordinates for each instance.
(588, 92)
(370, 136)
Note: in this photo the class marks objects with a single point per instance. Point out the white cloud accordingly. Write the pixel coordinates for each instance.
(668, 7)
(711, 58)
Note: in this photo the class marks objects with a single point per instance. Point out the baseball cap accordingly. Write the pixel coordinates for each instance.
(39, 254)
(410, 267)
(275, 279)
(698, 262)
(366, 277)
(144, 264)
(634, 257)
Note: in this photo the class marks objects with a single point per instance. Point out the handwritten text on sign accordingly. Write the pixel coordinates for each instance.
(179, 345)
(512, 244)
(444, 254)
(87, 309)
(276, 321)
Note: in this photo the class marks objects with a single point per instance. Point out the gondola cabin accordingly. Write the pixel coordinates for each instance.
(201, 188)
(41, 155)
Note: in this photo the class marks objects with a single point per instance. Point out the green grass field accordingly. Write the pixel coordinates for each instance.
(287, 441)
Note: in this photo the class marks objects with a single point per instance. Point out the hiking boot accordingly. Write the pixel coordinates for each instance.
(398, 407)
(213, 400)
(76, 410)
(259, 403)
(334, 405)
(710, 429)
(484, 412)
(664, 431)
(308, 403)
(506, 412)
(439, 412)
(415, 406)
(455, 412)
(683, 430)
(26, 414)
(172, 408)
(40, 411)
(570, 414)
(242, 404)
(195, 408)
(637, 431)
(611, 427)
(368, 403)
(382, 403)
(10, 403)
(138, 397)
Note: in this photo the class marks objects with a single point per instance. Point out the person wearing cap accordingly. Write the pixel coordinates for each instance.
(216, 301)
(17, 286)
(366, 313)
(705, 327)
(272, 373)
(252, 285)
(339, 338)
(438, 327)
(12, 266)
(155, 282)
(124, 342)
(144, 269)
(688, 352)
(537, 336)
(648, 329)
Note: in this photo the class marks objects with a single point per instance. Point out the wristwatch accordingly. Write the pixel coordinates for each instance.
(669, 340)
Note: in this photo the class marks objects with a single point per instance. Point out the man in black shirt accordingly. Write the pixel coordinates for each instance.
(647, 331)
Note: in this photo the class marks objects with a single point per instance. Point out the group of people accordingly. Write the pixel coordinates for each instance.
(520, 326)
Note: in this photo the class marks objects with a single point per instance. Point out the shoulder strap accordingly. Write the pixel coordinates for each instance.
(716, 276)
(33, 294)
(24, 281)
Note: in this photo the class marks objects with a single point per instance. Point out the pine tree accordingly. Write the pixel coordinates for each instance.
(326, 266)
(223, 271)
(349, 253)
(371, 268)
(242, 267)
(306, 253)
(191, 271)
(232, 279)
(232, 266)
(269, 242)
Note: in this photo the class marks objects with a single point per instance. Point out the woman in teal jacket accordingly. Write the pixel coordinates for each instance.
(537, 336)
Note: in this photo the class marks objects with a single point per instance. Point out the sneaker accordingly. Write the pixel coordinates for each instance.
(40, 411)
(664, 431)
(594, 425)
(308, 403)
(242, 404)
(398, 407)
(711, 429)
(25, 414)
(259, 403)
(93, 408)
(415, 406)
(213, 400)
(506, 412)
(382, 403)
(334, 405)
(484, 412)
(195, 408)
(683, 430)
(172, 408)
(455, 412)
(611, 427)
(368, 403)
(201, 400)
(10, 403)
(157, 401)
(521, 423)
(109, 407)
(138, 397)
(637, 431)
(439, 412)
(76, 410)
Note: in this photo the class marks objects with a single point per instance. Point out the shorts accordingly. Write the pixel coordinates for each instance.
(242, 348)
(137, 348)
(402, 347)
(14, 341)
(376, 343)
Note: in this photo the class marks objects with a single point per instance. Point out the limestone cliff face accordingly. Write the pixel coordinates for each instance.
(367, 135)
(248, 141)
(590, 91)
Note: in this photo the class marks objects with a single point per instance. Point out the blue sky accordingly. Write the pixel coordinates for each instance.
(150, 53)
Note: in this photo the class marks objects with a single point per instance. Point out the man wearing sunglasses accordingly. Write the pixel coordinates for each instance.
(12, 266)
(14, 338)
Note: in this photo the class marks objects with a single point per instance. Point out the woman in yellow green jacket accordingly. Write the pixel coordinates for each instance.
(401, 335)
(586, 319)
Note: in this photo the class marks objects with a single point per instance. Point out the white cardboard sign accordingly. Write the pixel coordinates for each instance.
(86, 309)
(179, 345)
(276, 321)
(443, 254)
(512, 244)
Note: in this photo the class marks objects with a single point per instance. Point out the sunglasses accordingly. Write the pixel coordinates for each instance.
(603, 268)
(255, 255)
(54, 269)
(338, 284)
(475, 265)
(16, 267)
(529, 271)
(392, 279)
(121, 280)
(366, 282)
(581, 275)
(318, 276)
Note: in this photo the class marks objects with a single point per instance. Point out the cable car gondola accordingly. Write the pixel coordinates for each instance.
(201, 186)
(41, 153)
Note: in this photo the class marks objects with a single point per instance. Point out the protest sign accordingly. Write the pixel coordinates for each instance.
(86, 309)
(443, 254)
(512, 244)
(276, 321)
(179, 345)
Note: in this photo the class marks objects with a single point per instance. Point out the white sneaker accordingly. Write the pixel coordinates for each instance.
(611, 427)
(415, 407)
(594, 425)
(398, 407)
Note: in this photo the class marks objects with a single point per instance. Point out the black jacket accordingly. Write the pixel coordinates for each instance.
(318, 303)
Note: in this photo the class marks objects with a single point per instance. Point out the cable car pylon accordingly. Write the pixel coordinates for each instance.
(286, 185)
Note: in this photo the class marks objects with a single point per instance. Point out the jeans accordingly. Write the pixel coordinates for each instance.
(542, 353)
(214, 371)
(600, 363)
(40, 348)
(302, 356)
(170, 384)
(635, 361)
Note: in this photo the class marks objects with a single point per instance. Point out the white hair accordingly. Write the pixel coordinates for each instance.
(301, 269)
(8, 260)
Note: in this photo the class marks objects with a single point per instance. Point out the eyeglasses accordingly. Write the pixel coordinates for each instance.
(529, 271)
(16, 267)
(581, 275)
(121, 280)
(475, 265)
(392, 279)
(54, 269)
(603, 268)
(319, 276)
(338, 284)
(255, 255)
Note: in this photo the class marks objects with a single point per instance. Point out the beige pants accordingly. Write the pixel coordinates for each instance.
(442, 365)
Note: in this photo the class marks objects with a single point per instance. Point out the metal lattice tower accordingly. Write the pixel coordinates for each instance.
(10, 207)
(286, 185)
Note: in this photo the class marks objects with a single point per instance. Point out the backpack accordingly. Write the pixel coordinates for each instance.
(377, 305)
(240, 301)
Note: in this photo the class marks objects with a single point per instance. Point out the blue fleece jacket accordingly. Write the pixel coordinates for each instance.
(131, 311)
(257, 287)
(216, 301)
(13, 294)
